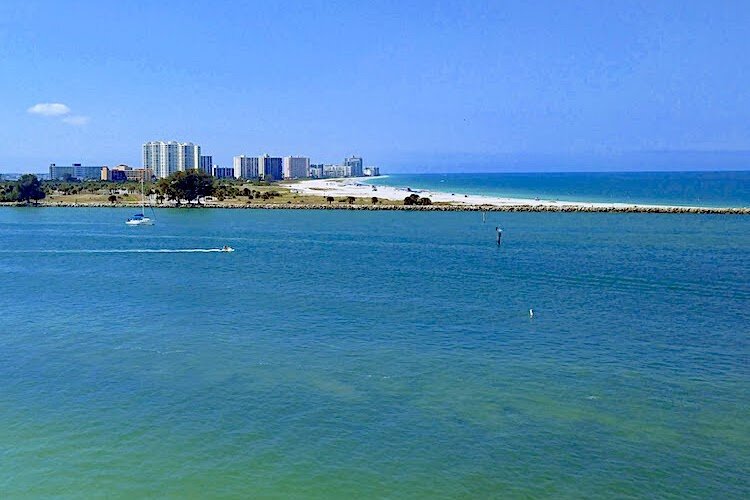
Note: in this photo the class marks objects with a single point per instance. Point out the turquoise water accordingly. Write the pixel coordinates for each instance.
(374, 354)
(709, 189)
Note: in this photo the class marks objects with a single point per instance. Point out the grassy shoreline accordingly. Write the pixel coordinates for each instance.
(276, 197)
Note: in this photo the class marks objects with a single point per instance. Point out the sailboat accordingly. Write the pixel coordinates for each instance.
(141, 219)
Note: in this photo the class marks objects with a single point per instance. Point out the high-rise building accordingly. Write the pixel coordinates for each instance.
(371, 171)
(355, 163)
(296, 167)
(270, 168)
(245, 167)
(166, 158)
(207, 161)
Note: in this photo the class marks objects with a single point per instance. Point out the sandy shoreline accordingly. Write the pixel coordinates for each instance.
(356, 187)
(391, 199)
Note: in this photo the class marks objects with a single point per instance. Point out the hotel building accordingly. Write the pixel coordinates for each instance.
(296, 167)
(246, 167)
(207, 163)
(166, 158)
(270, 168)
(75, 171)
(337, 171)
(355, 163)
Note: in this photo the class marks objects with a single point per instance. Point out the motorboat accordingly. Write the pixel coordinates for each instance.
(139, 220)
(226, 248)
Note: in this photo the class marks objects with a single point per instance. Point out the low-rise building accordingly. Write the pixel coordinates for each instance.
(371, 171)
(122, 173)
(337, 171)
(223, 172)
(75, 171)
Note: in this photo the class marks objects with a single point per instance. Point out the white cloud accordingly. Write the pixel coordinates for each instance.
(76, 120)
(49, 109)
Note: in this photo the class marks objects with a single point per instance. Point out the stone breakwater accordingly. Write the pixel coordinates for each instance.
(431, 208)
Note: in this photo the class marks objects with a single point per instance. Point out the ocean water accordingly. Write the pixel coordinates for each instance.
(374, 354)
(708, 189)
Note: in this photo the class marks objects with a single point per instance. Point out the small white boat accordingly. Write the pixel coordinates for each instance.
(139, 220)
(227, 249)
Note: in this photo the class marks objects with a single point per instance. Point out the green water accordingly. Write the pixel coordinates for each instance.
(374, 354)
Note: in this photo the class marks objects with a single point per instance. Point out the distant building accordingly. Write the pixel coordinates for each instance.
(165, 158)
(295, 167)
(246, 167)
(337, 171)
(125, 173)
(75, 171)
(270, 168)
(115, 174)
(118, 175)
(206, 164)
(371, 171)
(222, 172)
(355, 162)
(316, 171)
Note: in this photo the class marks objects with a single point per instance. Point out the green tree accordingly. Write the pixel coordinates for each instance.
(424, 201)
(189, 186)
(412, 199)
(350, 199)
(112, 198)
(9, 192)
(30, 188)
(374, 200)
(329, 199)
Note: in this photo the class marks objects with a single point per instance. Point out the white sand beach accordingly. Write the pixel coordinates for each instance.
(359, 188)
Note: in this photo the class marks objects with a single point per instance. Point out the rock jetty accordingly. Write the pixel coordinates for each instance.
(433, 208)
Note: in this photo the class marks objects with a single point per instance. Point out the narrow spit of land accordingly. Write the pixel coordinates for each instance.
(352, 194)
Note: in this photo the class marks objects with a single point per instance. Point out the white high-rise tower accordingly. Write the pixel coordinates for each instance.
(165, 158)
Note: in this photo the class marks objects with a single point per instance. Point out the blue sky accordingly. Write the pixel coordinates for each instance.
(425, 86)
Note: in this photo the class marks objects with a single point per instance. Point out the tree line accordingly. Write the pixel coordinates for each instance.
(26, 189)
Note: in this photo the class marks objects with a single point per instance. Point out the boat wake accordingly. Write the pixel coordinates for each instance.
(124, 250)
